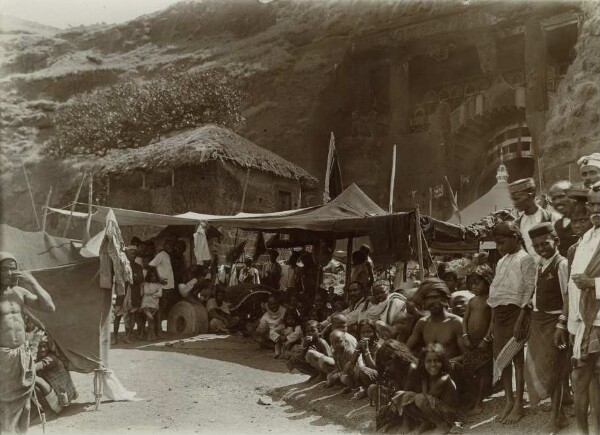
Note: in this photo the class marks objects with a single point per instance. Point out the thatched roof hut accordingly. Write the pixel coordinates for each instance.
(200, 145)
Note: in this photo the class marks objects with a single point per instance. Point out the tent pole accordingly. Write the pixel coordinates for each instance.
(349, 245)
(74, 205)
(392, 182)
(245, 189)
(419, 242)
(37, 220)
(45, 211)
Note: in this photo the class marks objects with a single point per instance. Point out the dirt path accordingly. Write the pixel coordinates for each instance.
(209, 384)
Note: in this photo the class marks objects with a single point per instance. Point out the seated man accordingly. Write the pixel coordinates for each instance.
(266, 332)
(388, 312)
(357, 306)
(439, 326)
(53, 380)
(220, 319)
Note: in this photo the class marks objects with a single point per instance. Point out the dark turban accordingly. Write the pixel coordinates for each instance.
(429, 286)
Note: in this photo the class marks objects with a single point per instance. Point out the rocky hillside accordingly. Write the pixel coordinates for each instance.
(573, 124)
(284, 54)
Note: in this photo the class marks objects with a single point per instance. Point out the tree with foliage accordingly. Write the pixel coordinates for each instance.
(134, 113)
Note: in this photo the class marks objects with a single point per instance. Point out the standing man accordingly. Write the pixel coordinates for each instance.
(545, 363)
(562, 204)
(582, 314)
(522, 193)
(589, 169)
(249, 274)
(17, 374)
(162, 262)
(272, 271)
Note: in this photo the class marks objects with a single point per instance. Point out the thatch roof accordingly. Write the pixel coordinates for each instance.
(200, 145)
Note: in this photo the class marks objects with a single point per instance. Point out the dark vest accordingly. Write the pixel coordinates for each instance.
(548, 296)
(566, 237)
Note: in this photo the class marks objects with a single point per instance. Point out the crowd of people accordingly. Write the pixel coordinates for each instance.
(531, 321)
(415, 352)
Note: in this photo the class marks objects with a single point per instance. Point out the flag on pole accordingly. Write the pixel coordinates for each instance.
(333, 174)
(453, 201)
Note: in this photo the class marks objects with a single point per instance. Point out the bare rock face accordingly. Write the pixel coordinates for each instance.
(573, 125)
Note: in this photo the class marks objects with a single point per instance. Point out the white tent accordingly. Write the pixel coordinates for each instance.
(497, 198)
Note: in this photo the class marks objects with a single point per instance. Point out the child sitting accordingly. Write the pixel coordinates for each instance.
(152, 292)
(343, 352)
(393, 360)
(287, 344)
(368, 345)
(53, 380)
(312, 344)
(429, 397)
(475, 327)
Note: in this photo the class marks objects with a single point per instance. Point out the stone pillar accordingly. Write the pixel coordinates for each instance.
(535, 78)
(399, 95)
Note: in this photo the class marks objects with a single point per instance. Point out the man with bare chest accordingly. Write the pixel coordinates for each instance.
(17, 375)
(439, 326)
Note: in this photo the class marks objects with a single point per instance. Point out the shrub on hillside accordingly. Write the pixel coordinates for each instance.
(132, 114)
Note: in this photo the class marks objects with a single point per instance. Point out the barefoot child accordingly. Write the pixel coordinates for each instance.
(343, 351)
(545, 363)
(476, 324)
(429, 398)
(510, 294)
(367, 347)
(316, 347)
(290, 335)
(152, 291)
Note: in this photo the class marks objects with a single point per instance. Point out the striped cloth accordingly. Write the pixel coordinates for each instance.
(506, 355)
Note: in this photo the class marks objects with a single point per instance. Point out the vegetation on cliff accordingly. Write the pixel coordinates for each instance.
(134, 113)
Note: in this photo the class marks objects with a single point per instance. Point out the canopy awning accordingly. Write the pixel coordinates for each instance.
(346, 215)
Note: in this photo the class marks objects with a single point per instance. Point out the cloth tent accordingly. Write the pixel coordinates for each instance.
(345, 216)
(82, 307)
(497, 198)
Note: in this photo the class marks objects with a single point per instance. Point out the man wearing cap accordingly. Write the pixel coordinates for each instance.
(581, 316)
(545, 363)
(589, 169)
(522, 193)
(17, 374)
(562, 204)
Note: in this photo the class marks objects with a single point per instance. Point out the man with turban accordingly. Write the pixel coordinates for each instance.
(440, 326)
(589, 169)
(17, 374)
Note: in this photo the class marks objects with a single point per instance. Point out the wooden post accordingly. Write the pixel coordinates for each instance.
(349, 246)
(88, 223)
(45, 210)
(430, 202)
(392, 182)
(73, 206)
(419, 234)
(245, 189)
(37, 220)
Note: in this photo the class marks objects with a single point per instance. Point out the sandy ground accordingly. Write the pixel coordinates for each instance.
(206, 384)
(212, 384)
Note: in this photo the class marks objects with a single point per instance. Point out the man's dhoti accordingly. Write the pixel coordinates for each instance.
(545, 363)
(17, 379)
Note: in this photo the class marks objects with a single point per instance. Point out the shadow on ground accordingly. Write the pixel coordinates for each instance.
(235, 349)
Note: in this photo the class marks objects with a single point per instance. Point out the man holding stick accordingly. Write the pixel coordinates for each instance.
(17, 374)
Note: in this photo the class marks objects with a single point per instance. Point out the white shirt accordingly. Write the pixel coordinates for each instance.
(514, 281)
(185, 289)
(563, 278)
(162, 262)
(530, 221)
(583, 254)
